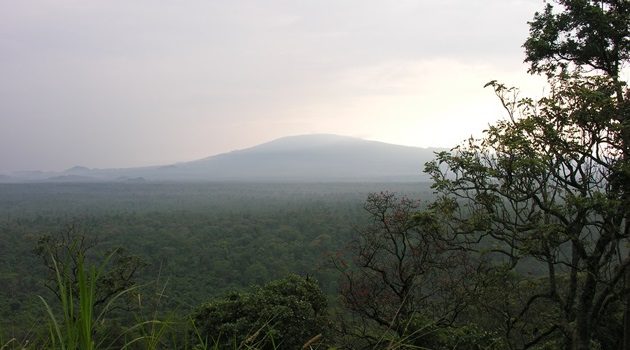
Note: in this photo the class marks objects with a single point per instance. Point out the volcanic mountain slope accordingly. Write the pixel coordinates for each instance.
(316, 158)
(309, 158)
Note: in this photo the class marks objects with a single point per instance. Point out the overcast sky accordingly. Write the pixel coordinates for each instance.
(143, 82)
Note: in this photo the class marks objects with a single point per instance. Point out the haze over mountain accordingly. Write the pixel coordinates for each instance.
(313, 158)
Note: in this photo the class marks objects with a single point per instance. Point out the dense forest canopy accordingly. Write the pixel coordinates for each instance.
(199, 239)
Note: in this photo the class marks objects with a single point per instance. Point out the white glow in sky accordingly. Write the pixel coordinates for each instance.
(132, 83)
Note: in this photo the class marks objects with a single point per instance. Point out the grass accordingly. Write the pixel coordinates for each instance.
(74, 328)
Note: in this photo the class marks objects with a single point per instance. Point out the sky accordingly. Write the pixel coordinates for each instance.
(132, 83)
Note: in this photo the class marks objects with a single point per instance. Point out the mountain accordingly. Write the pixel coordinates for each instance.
(317, 158)
(77, 170)
(313, 158)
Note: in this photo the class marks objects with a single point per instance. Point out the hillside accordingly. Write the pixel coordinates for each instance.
(313, 158)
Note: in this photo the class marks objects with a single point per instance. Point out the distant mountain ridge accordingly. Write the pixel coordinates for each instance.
(312, 158)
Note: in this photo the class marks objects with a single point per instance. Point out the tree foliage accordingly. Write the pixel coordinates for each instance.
(538, 187)
(593, 33)
(546, 189)
(285, 314)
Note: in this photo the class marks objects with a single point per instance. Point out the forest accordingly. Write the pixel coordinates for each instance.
(520, 240)
(192, 241)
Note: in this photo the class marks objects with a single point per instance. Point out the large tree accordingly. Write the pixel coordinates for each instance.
(402, 278)
(547, 189)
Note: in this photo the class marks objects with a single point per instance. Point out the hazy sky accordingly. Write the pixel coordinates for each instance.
(128, 83)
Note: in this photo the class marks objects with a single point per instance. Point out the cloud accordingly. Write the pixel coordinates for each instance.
(145, 82)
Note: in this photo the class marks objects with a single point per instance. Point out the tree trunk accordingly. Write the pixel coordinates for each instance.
(581, 337)
(626, 316)
(625, 134)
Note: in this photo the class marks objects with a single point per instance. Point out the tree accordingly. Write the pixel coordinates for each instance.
(594, 34)
(65, 251)
(549, 187)
(591, 33)
(538, 187)
(284, 314)
(405, 277)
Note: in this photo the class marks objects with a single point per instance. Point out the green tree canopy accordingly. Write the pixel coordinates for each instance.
(284, 314)
(593, 33)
